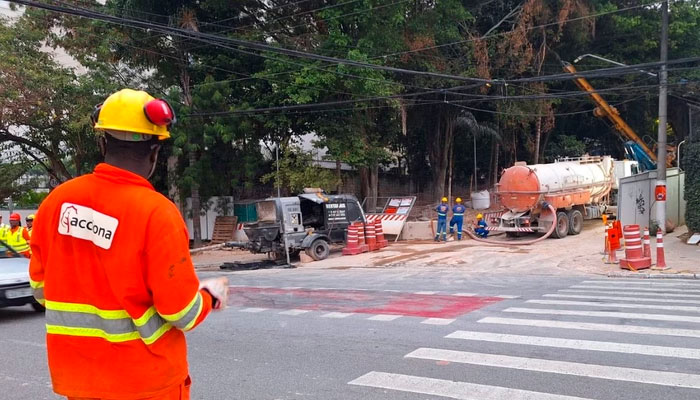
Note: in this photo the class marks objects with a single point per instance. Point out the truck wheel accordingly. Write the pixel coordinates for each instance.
(562, 228)
(318, 250)
(575, 222)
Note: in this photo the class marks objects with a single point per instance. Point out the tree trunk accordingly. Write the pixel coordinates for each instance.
(441, 153)
(496, 168)
(538, 135)
(173, 189)
(192, 158)
(196, 206)
(365, 188)
(338, 176)
(449, 174)
(374, 187)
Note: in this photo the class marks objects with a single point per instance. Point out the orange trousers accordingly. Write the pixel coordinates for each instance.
(180, 392)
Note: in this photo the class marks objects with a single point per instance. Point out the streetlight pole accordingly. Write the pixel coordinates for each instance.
(660, 190)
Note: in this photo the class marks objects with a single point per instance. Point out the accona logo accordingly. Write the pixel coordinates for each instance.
(85, 223)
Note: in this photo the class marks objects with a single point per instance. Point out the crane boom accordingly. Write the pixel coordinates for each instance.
(604, 109)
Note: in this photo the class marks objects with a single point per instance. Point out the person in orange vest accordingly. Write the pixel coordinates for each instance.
(16, 236)
(27, 234)
(111, 264)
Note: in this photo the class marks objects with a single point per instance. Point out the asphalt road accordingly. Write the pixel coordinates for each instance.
(421, 334)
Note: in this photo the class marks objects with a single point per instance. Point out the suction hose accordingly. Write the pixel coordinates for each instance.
(518, 243)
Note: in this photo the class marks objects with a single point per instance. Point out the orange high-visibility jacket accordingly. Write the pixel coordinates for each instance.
(111, 264)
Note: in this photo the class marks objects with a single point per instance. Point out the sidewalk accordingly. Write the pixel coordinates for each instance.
(574, 255)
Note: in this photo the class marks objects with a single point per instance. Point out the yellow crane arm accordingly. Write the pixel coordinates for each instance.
(606, 110)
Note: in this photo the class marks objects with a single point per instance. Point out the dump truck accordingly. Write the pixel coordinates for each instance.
(309, 222)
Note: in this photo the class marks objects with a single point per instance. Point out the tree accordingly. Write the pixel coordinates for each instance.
(10, 174)
(297, 171)
(44, 107)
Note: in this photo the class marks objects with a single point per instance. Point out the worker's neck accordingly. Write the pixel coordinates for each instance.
(140, 168)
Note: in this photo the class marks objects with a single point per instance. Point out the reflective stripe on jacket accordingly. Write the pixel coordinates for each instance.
(17, 241)
(111, 264)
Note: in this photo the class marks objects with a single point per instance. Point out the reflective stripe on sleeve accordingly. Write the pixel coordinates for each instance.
(186, 318)
(37, 290)
(112, 325)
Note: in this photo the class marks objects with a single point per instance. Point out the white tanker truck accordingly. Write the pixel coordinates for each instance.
(577, 189)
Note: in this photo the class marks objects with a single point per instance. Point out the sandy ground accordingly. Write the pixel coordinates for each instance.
(573, 255)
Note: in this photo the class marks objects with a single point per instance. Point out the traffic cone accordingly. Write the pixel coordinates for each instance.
(381, 241)
(353, 243)
(647, 245)
(361, 237)
(612, 254)
(660, 255)
(370, 236)
(605, 241)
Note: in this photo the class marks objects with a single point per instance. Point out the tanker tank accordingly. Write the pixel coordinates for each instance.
(576, 188)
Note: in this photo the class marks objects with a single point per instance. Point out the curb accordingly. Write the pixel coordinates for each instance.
(652, 276)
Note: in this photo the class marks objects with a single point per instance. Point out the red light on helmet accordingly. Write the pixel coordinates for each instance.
(159, 112)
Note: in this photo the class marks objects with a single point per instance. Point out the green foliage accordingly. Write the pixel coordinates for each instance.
(30, 198)
(564, 146)
(297, 171)
(9, 178)
(691, 161)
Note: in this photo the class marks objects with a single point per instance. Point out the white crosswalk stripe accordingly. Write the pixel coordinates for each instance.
(674, 295)
(561, 367)
(620, 305)
(384, 317)
(450, 389)
(605, 314)
(628, 288)
(620, 298)
(336, 314)
(648, 282)
(552, 337)
(589, 326)
(574, 344)
(437, 321)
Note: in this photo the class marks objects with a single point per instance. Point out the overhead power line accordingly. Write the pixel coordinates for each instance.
(221, 41)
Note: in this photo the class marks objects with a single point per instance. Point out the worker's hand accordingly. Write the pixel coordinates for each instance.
(218, 288)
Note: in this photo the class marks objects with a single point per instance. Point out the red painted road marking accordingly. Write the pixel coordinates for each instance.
(358, 301)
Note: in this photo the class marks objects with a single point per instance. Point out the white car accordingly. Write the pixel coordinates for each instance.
(14, 279)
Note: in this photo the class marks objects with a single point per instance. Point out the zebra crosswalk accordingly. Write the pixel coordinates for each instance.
(597, 339)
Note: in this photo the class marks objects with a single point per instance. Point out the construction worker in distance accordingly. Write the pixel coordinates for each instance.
(480, 226)
(16, 237)
(457, 217)
(111, 264)
(27, 233)
(442, 209)
(4, 228)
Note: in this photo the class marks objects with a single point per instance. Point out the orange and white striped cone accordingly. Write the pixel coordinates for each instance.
(605, 241)
(660, 255)
(647, 245)
(611, 254)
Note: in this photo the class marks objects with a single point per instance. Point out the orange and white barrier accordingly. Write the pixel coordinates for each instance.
(660, 254)
(647, 244)
(381, 242)
(634, 255)
(392, 224)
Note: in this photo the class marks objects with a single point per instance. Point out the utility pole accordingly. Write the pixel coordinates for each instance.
(660, 190)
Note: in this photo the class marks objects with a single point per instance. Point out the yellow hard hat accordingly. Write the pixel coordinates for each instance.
(479, 216)
(30, 217)
(134, 115)
(458, 199)
(444, 199)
